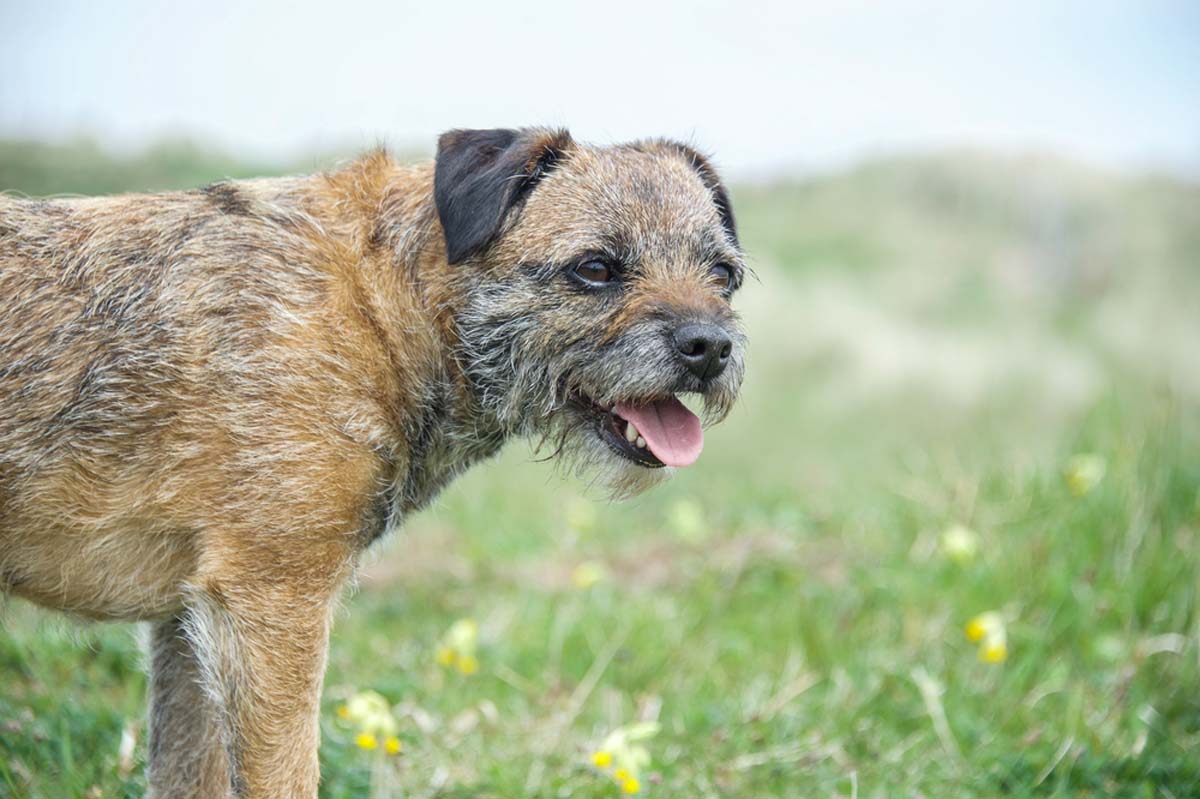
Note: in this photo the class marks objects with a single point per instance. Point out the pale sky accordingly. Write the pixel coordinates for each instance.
(767, 87)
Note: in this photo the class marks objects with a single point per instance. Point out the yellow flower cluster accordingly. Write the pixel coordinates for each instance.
(587, 574)
(391, 744)
(372, 715)
(623, 756)
(581, 515)
(987, 629)
(685, 518)
(1084, 472)
(459, 646)
(960, 544)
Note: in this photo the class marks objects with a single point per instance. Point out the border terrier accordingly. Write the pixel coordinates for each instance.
(211, 402)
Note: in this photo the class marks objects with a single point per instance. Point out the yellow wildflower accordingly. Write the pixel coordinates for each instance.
(623, 751)
(365, 740)
(392, 745)
(975, 631)
(984, 624)
(581, 515)
(458, 647)
(371, 713)
(994, 652)
(686, 519)
(343, 712)
(960, 543)
(587, 574)
(988, 629)
(1084, 472)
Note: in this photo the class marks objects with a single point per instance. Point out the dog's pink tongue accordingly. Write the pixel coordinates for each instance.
(672, 432)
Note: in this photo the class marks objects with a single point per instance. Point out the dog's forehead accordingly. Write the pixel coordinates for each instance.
(640, 201)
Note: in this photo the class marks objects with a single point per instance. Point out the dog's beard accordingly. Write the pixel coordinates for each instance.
(570, 440)
(531, 396)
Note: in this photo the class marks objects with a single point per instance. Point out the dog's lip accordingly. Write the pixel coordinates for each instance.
(609, 428)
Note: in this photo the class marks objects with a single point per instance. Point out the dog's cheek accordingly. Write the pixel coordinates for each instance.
(636, 364)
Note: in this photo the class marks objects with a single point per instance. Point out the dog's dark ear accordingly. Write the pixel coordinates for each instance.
(481, 174)
(708, 174)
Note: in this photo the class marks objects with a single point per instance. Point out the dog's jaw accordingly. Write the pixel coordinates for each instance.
(596, 462)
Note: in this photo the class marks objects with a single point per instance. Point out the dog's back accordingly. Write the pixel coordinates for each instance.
(145, 340)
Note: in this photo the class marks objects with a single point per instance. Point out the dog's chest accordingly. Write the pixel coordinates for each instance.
(440, 446)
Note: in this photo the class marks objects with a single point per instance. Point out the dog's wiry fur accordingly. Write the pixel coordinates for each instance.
(212, 401)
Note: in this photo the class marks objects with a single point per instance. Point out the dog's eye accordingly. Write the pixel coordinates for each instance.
(722, 274)
(594, 271)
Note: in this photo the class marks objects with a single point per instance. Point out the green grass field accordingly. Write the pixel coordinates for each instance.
(933, 341)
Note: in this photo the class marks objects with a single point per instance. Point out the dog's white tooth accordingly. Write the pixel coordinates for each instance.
(631, 432)
(641, 442)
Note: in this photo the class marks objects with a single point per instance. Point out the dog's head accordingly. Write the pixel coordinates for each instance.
(598, 285)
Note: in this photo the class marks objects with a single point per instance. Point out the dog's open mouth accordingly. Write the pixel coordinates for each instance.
(652, 434)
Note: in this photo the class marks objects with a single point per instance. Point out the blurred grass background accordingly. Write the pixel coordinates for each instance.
(933, 338)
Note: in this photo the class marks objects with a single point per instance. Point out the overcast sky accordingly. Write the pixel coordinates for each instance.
(765, 86)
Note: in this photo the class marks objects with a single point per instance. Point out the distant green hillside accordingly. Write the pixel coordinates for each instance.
(1038, 218)
(81, 166)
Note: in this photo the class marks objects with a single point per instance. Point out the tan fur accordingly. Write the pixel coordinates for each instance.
(214, 400)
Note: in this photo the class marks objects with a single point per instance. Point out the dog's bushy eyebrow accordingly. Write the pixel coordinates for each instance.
(712, 249)
(620, 251)
(629, 258)
(708, 174)
(542, 271)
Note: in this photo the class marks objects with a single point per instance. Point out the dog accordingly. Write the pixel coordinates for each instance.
(211, 402)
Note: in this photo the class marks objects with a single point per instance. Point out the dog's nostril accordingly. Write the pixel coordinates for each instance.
(704, 348)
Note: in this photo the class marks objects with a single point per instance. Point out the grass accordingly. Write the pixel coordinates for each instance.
(932, 340)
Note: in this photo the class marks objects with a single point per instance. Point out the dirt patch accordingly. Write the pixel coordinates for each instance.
(436, 557)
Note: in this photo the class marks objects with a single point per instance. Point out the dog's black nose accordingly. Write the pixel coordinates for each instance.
(704, 348)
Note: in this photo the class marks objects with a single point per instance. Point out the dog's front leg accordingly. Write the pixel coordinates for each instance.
(186, 752)
(263, 650)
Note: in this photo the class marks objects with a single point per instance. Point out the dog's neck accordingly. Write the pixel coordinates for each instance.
(406, 286)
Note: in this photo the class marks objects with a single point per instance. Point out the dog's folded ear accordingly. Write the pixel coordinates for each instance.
(480, 175)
